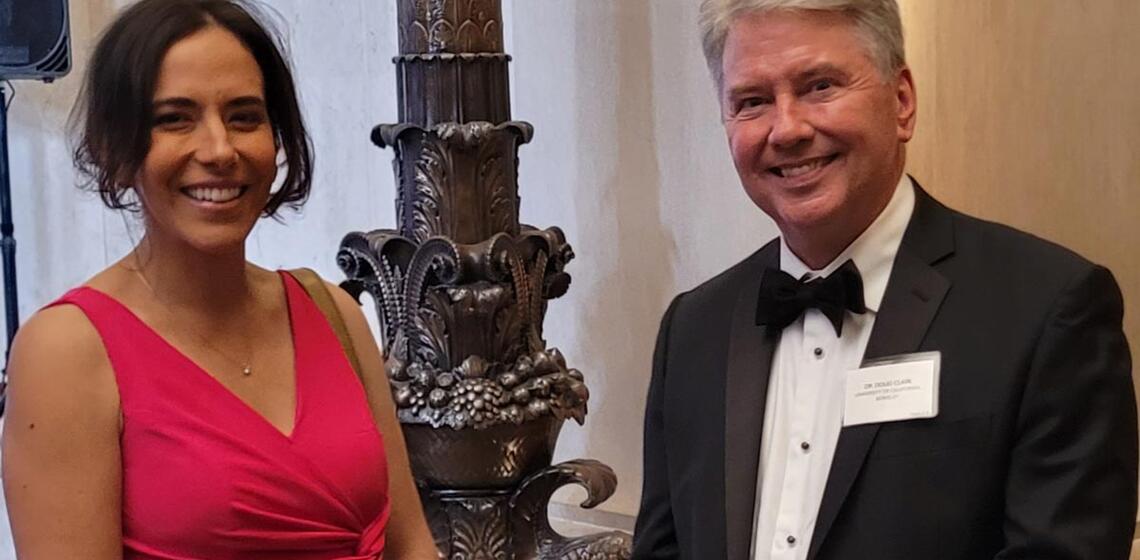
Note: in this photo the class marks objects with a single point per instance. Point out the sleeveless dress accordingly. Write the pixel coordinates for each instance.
(206, 477)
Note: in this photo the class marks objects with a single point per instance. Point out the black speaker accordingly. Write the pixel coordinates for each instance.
(34, 40)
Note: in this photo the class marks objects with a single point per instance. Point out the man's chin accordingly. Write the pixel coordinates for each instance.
(808, 214)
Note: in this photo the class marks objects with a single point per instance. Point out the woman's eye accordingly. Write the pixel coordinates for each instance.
(169, 119)
(248, 118)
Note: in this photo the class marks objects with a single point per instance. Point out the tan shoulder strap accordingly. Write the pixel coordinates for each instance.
(320, 295)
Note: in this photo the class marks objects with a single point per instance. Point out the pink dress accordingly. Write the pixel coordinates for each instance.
(206, 477)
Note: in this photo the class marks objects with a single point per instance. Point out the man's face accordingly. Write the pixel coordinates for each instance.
(815, 129)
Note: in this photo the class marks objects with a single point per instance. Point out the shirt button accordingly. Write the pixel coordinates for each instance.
(791, 539)
(805, 446)
(818, 352)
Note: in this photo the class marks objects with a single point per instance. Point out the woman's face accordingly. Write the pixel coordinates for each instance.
(212, 158)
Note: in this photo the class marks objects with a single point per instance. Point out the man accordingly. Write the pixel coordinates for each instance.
(1007, 426)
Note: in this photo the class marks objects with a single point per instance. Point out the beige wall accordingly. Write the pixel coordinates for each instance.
(1029, 114)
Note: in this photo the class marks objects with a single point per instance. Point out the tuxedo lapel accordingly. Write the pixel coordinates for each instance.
(749, 364)
(912, 298)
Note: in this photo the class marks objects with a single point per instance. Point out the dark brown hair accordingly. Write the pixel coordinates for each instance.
(113, 115)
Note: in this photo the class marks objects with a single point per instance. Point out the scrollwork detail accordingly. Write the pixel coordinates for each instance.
(531, 526)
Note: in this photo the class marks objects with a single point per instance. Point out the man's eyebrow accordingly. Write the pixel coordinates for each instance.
(745, 87)
(823, 69)
(811, 72)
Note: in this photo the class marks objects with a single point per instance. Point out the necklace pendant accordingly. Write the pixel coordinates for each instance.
(246, 371)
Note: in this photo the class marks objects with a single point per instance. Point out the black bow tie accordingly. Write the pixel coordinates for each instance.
(783, 298)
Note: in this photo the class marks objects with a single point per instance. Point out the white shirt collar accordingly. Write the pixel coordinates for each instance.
(873, 251)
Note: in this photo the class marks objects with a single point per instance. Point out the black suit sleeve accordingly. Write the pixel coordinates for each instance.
(654, 535)
(1072, 485)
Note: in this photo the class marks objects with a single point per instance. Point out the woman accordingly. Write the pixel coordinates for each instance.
(184, 403)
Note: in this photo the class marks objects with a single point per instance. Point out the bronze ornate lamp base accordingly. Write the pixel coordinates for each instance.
(461, 289)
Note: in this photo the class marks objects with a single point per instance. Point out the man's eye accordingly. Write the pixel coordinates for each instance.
(822, 85)
(751, 103)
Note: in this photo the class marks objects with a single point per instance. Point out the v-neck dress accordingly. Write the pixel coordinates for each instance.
(206, 477)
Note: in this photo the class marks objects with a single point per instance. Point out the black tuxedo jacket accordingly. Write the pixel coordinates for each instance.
(1033, 454)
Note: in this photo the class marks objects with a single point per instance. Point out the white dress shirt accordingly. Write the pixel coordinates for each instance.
(804, 411)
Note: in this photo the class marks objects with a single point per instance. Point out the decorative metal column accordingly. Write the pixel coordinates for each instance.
(461, 289)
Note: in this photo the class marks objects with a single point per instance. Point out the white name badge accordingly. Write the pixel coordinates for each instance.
(901, 387)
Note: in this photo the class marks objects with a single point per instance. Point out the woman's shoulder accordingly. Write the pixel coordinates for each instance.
(346, 305)
(59, 369)
(60, 343)
(351, 310)
(60, 338)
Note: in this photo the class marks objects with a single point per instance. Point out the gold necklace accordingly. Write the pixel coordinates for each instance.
(246, 367)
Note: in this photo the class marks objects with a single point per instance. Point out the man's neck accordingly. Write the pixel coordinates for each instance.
(819, 246)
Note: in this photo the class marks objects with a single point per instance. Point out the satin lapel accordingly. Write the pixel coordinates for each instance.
(914, 293)
(749, 364)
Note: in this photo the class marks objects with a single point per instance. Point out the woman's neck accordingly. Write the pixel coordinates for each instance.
(182, 278)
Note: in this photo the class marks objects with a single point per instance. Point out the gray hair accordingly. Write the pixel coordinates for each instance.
(877, 20)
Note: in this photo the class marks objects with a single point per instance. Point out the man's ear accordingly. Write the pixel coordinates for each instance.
(907, 101)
